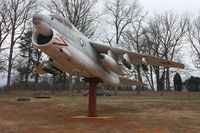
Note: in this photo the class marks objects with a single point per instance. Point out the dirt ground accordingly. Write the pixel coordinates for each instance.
(126, 113)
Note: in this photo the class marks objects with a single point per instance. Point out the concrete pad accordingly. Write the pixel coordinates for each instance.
(86, 117)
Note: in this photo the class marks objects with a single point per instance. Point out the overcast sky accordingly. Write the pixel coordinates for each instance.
(177, 6)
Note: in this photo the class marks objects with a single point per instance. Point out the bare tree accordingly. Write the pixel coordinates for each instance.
(193, 36)
(134, 39)
(152, 36)
(174, 28)
(4, 23)
(165, 34)
(19, 12)
(80, 13)
(120, 14)
(4, 32)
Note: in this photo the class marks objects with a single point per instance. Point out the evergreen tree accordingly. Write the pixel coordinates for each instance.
(29, 58)
(177, 82)
(192, 83)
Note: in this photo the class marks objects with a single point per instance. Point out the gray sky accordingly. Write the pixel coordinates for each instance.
(178, 6)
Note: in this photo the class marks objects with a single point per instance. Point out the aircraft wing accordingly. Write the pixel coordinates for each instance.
(137, 58)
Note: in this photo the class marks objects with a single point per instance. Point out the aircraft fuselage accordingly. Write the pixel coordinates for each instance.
(70, 50)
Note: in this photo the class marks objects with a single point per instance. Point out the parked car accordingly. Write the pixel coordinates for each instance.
(100, 92)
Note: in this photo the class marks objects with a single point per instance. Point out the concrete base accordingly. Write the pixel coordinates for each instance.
(86, 117)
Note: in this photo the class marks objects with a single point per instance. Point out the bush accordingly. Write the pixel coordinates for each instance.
(192, 83)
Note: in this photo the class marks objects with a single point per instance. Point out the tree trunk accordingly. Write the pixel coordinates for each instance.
(70, 85)
(36, 81)
(167, 79)
(139, 79)
(10, 59)
(157, 72)
(53, 84)
(64, 80)
(27, 68)
(79, 85)
(116, 91)
(151, 75)
(0, 35)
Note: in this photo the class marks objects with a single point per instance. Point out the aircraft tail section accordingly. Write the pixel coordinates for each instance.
(129, 82)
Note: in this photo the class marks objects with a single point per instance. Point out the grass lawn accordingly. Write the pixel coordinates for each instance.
(129, 114)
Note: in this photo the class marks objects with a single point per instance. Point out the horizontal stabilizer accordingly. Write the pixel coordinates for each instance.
(129, 82)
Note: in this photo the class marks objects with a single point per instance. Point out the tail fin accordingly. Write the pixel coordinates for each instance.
(129, 82)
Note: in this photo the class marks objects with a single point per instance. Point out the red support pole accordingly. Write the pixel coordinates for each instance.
(93, 82)
(92, 99)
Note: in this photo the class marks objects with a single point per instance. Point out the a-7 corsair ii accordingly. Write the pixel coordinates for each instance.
(71, 52)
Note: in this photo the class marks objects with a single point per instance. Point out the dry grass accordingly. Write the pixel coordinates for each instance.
(130, 114)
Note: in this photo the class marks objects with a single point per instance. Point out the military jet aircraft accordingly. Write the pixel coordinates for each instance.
(71, 52)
